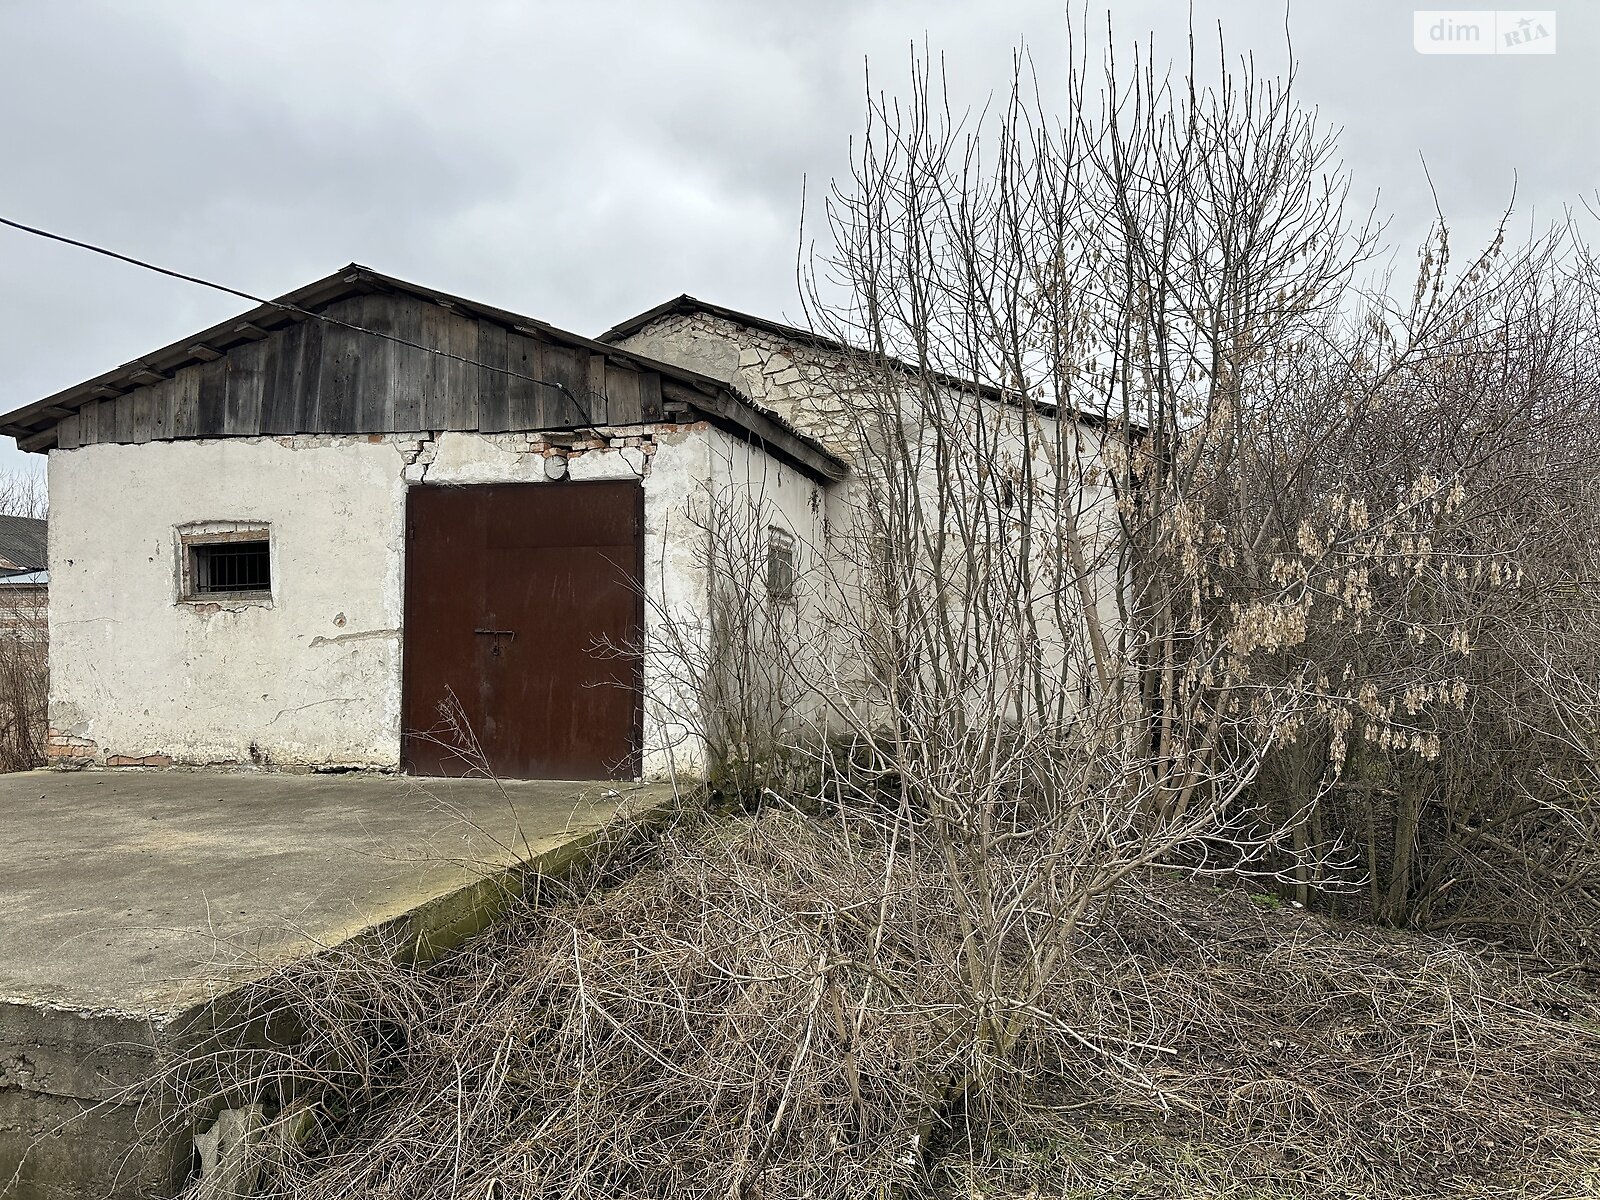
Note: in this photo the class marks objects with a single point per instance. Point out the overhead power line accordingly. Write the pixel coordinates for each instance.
(296, 309)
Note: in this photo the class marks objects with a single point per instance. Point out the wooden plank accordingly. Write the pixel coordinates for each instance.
(309, 377)
(69, 432)
(493, 391)
(34, 442)
(161, 417)
(242, 415)
(185, 421)
(338, 398)
(623, 399)
(105, 421)
(410, 372)
(565, 404)
(284, 377)
(211, 408)
(435, 376)
(599, 401)
(274, 366)
(88, 423)
(144, 409)
(122, 425)
(461, 379)
(525, 362)
(651, 405)
(375, 396)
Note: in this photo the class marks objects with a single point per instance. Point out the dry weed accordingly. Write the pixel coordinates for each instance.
(728, 1016)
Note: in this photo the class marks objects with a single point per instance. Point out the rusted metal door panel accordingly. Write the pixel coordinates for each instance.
(523, 620)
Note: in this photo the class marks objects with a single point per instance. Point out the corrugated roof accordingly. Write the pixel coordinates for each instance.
(22, 544)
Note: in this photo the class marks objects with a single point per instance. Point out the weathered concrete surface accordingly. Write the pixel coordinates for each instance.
(131, 903)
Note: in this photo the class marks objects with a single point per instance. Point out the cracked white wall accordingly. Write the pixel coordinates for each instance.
(313, 678)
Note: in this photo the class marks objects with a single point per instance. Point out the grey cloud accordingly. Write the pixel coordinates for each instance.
(582, 161)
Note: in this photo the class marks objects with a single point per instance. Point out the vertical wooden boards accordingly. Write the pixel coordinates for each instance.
(435, 377)
(338, 400)
(450, 389)
(308, 386)
(185, 417)
(245, 384)
(411, 367)
(651, 407)
(273, 367)
(143, 402)
(493, 389)
(374, 409)
(597, 397)
(105, 420)
(152, 415)
(377, 363)
(565, 403)
(461, 377)
(162, 410)
(89, 423)
(525, 362)
(69, 432)
(623, 387)
(212, 408)
(122, 426)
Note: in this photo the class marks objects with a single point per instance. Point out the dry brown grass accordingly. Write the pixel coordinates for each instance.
(1308, 1058)
(680, 1023)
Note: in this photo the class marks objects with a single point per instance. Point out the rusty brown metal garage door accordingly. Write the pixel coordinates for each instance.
(523, 614)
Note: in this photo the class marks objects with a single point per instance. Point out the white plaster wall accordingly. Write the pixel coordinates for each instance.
(314, 677)
(794, 664)
(815, 388)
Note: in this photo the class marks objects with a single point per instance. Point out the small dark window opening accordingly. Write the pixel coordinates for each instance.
(780, 565)
(230, 567)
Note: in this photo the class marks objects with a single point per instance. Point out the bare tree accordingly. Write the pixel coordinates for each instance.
(24, 640)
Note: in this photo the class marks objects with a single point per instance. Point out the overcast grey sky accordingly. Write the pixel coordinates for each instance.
(579, 162)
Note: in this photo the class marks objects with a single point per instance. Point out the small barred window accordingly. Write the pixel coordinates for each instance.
(225, 560)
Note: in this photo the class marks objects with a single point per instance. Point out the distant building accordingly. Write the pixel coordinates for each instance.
(24, 577)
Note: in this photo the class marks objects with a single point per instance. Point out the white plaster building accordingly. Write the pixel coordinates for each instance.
(372, 525)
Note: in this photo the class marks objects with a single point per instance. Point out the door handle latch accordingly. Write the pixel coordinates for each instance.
(497, 634)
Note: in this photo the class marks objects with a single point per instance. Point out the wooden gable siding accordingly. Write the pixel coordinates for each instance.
(319, 376)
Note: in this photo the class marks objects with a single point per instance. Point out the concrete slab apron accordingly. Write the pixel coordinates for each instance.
(131, 902)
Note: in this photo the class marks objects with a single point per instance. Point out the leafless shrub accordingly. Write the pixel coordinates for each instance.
(24, 680)
(24, 641)
(23, 493)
